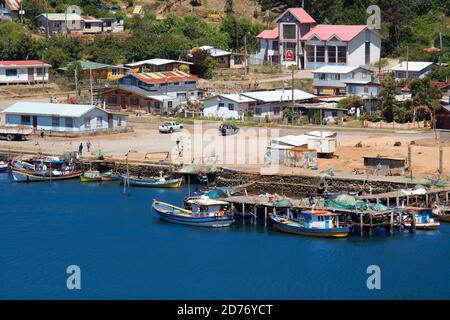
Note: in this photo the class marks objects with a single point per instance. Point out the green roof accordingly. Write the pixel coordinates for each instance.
(86, 65)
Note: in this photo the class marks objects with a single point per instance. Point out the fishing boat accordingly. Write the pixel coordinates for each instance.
(442, 212)
(95, 176)
(24, 175)
(4, 166)
(317, 223)
(205, 212)
(423, 217)
(158, 182)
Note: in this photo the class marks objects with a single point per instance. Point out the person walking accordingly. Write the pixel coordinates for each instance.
(80, 149)
(88, 145)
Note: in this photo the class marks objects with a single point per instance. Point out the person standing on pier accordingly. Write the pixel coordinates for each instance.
(88, 145)
(80, 149)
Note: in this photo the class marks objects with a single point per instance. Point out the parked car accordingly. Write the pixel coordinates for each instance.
(169, 127)
(228, 129)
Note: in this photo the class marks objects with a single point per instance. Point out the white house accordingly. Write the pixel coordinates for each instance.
(228, 106)
(332, 79)
(112, 25)
(62, 117)
(411, 69)
(261, 104)
(92, 25)
(297, 40)
(23, 71)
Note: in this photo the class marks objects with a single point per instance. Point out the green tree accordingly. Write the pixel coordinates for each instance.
(387, 99)
(14, 41)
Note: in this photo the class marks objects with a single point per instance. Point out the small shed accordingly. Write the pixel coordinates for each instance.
(384, 165)
(291, 156)
(443, 118)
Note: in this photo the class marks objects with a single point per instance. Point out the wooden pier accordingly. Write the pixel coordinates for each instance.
(257, 208)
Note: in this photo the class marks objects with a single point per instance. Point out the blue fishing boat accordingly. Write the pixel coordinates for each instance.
(318, 223)
(423, 217)
(205, 212)
(44, 169)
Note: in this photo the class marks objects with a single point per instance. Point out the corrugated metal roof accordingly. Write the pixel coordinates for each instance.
(412, 66)
(49, 109)
(325, 32)
(161, 77)
(291, 140)
(335, 69)
(23, 63)
(278, 95)
(13, 5)
(61, 16)
(239, 98)
(268, 34)
(156, 62)
(300, 14)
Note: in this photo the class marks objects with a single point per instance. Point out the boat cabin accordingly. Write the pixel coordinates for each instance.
(315, 219)
(208, 207)
(423, 215)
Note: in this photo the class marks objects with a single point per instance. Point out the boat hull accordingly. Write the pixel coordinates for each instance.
(90, 179)
(4, 169)
(327, 233)
(173, 183)
(25, 176)
(425, 226)
(184, 218)
(443, 217)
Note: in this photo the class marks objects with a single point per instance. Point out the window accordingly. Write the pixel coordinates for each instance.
(11, 72)
(134, 101)
(190, 82)
(322, 76)
(276, 111)
(181, 96)
(342, 54)
(367, 52)
(334, 113)
(87, 25)
(87, 122)
(99, 121)
(69, 122)
(55, 122)
(111, 100)
(119, 121)
(335, 76)
(274, 45)
(169, 104)
(309, 53)
(176, 83)
(366, 89)
(320, 54)
(115, 71)
(331, 54)
(231, 106)
(289, 31)
(364, 74)
(39, 71)
(258, 111)
(25, 120)
(221, 104)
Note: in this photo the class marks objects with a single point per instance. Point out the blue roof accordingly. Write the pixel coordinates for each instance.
(49, 109)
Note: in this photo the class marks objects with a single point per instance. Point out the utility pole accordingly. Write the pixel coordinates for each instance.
(245, 52)
(407, 62)
(292, 84)
(76, 83)
(90, 84)
(43, 74)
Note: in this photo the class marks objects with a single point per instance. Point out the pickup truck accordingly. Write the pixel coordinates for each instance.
(169, 127)
(15, 133)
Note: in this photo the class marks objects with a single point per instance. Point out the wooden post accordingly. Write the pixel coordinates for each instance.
(441, 160)
(410, 161)
(426, 199)
(400, 220)
(413, 223)
(371, 226)
(397, 201)
(361, 224)
(446, 197)
(392, 222)
(387, 201)
(407, 200)
(243, 213)
(265, 216)
(255, 211)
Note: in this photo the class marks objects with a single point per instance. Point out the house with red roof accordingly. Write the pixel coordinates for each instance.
(298, 40)
(23, 71)
(9, 8)
(154, 92)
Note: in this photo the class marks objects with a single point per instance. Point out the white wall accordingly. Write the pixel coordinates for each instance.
(357, 51)
(22, 75)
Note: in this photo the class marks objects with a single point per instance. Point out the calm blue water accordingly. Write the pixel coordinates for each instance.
(125, 251)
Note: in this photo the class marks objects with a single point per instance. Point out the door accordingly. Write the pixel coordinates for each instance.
(123, 102)
(34, 122)
(30, 74)
(110, 121)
